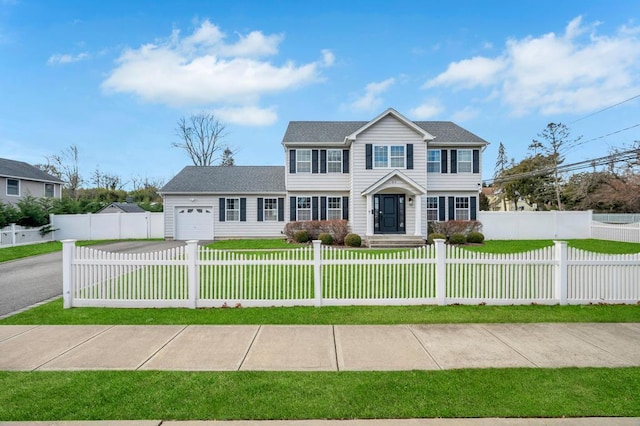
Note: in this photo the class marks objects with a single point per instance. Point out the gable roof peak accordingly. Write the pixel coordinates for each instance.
(426, 136)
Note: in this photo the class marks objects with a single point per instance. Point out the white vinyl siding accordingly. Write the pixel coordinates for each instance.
(433, 161)
(432, 209)
(13, 187)
(303, 208)
(303, 161)
(334, 208)
(270, 209)
(334, 161)
(462, 208)
(465, 161)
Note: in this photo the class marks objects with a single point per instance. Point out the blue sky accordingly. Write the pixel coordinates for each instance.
(113, 78)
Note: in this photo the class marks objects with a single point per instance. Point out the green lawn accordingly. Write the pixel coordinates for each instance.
(105, 395)
(518, 246)
(18, 252)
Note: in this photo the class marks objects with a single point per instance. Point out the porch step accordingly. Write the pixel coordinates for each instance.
(395, 241)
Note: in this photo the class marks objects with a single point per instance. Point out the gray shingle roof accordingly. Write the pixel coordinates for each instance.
(228, 180)
(125, 207)
(22, 170)
(336, 131)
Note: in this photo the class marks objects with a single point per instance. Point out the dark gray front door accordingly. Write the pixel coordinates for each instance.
(389, 211)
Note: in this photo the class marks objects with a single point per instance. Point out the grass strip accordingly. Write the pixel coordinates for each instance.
(52, 313)
(18, 252)
(133, 395)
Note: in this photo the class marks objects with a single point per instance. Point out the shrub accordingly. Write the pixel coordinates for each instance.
(457, 238)
(435, 236)
(326, 238)
(475, 237)
(337, 228)
(301, 236)
(457, 227)
(353, 240)
(8, 214)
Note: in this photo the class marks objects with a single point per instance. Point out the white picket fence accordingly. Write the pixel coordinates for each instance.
(194, 277)
(628, 232)
(16, 235)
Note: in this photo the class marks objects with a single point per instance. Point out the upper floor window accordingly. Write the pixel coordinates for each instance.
(303, 161)
(270, 209)
(432, 209)
(462, 208)
(334, 160)
(465, 161)
(233, 210)
(433, 161)
(48, 190)
(304, 208)
(13, 187)
(385, 156)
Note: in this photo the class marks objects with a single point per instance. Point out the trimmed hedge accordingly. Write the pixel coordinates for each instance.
(353, 240)
(326, 238)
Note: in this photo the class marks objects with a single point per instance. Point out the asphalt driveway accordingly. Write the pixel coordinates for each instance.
(25, 282)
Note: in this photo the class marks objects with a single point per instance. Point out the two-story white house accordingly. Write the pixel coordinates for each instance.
(388, 177)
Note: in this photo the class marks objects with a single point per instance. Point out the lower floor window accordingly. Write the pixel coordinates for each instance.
(233, 210)
(432, 209)
(304, 208)
(270, 209)
(334, 208)
(48, 190)
(462, 208)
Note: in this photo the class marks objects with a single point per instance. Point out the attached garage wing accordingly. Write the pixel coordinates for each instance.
(194, 223)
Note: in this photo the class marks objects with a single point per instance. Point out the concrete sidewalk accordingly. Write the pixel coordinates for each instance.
(319, 348)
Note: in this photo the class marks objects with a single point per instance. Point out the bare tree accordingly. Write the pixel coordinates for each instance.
(556, 141)
(201, 135)
(67, 166)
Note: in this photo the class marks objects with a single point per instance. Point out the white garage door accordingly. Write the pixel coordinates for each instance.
(194, 223)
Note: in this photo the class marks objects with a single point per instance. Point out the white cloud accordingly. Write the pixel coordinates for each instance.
(426, 110)
(578, 71)
(371, 99)
(328, 58)
(202, 69)
(465, 114)
(247, 116)
(66, 58)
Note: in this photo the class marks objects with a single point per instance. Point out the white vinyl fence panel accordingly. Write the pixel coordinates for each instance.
(315, 276)
(16, 235)
(629, 233)
(108, 226)
(533, 225)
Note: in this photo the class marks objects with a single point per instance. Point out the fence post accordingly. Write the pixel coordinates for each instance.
(13, 234)
(192, 272)
(561, 273)
(68, 256)
(441, 272)
(317, 272)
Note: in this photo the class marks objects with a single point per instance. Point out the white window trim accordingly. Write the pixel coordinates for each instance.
(470, 162)
(265, 217)
(388, 155)
(53, 190)
(430, 209)
(438, 162)
(7, 188)
(460, 209)
(339, 151)
(335, 209)
(298, 161)
(298, 208)
(227, 210)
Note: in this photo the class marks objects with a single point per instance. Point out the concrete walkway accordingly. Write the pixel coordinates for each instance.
(318, 348)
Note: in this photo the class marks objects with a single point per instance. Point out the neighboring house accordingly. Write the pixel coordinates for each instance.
(496, 203)
(121, 208)
(387, 177)
(19, 179)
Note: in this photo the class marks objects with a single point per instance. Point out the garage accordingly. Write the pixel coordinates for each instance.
(194, 223)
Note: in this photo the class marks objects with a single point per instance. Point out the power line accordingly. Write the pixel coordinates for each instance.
(608, 134)
(604, 109)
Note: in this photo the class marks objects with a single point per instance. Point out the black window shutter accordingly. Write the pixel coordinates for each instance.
(345, 208)
(409, 156)
(292, 209)
(454, 161)
(369, 156)
(314, 208)
(442, 214)
(292, 161)
(323, 208)
(345, 161)
(260, 210)
(314, 161)
(443, 161)
(323, 161)
(243, 209)
(472, 207)
(280, 209)
(452, 208)
(222, 209)
(476, 161)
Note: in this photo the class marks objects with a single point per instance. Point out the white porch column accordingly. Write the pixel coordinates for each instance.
(369, 215)
(417, 203)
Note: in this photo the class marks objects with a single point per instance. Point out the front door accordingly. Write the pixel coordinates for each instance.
(389, 213)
